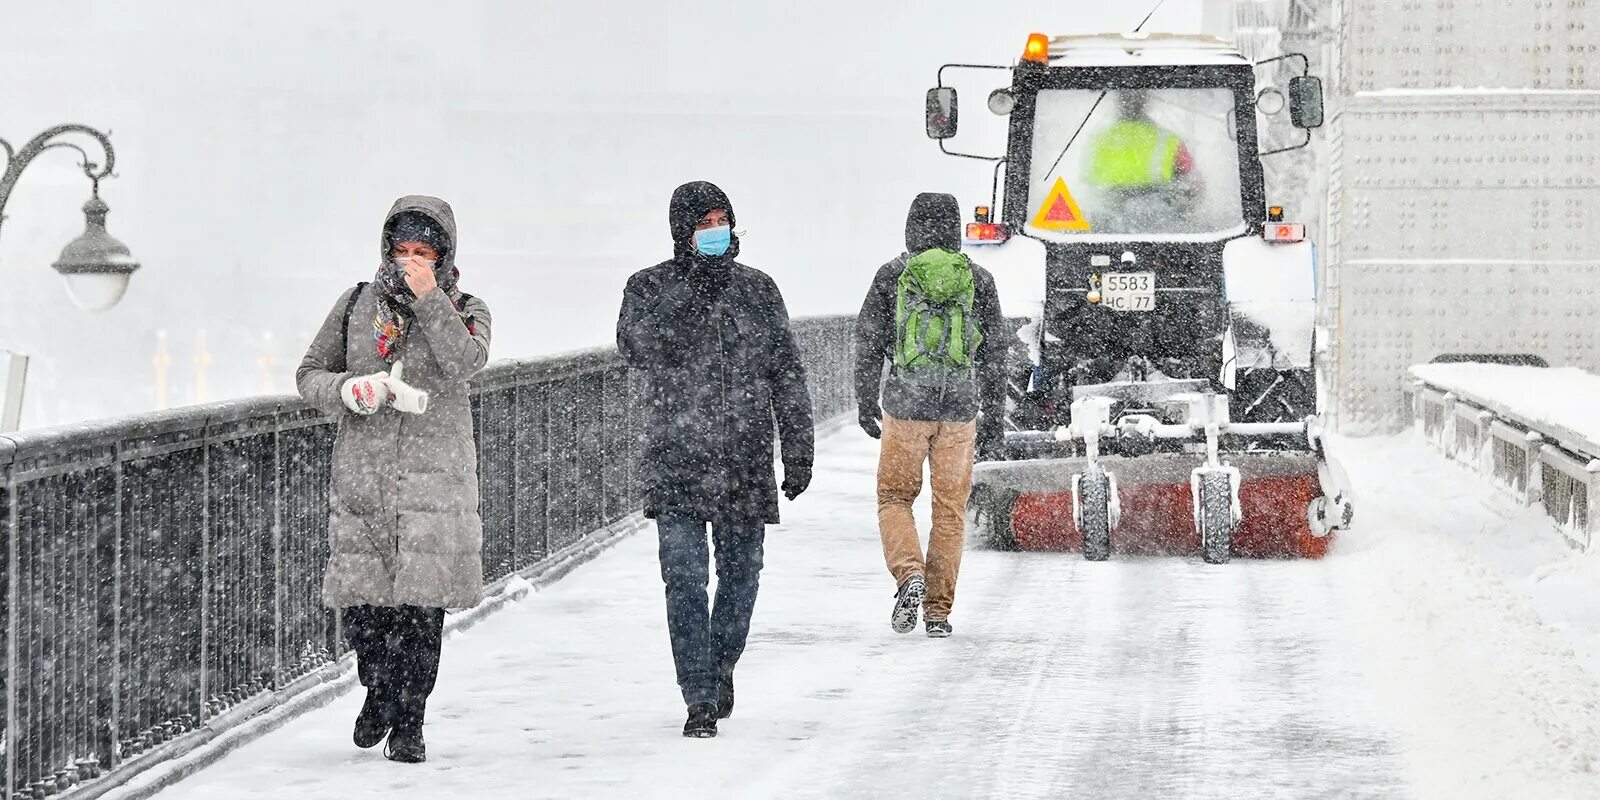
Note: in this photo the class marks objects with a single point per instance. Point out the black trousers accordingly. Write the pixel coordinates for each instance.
(397, 655)
(707, 640)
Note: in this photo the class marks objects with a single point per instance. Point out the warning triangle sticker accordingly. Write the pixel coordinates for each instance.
(1059, 211)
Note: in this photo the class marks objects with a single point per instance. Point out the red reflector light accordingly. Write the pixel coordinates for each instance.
(991, 232)
(1284, 232)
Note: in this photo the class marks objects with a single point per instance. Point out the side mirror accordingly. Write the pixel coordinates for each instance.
(1305, 102)
(942, 113)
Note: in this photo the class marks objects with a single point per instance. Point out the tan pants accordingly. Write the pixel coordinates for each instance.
(947, 447)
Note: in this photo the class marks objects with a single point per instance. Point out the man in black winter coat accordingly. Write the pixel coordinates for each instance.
(930, 419)
(713, 341)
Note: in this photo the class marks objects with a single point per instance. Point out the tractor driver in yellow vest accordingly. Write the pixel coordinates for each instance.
(1145, 173)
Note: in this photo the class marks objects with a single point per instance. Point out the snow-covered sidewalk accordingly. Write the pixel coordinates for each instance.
(1399, 666)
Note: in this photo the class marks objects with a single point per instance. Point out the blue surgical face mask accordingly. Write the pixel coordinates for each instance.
(713, 241)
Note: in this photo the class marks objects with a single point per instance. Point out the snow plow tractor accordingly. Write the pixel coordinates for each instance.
(1168, 399)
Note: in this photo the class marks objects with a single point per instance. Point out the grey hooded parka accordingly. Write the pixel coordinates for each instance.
(403, 522)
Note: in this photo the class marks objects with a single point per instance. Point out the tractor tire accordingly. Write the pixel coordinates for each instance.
(1214, 514)
(1093, 496)
(989, 518)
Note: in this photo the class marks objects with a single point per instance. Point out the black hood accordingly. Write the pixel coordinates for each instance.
(690, 203)
(933, 221)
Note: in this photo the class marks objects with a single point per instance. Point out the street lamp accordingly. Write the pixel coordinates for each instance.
(95, 265)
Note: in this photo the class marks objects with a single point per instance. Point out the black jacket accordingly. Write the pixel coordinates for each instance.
(933, 221)
(720, 365)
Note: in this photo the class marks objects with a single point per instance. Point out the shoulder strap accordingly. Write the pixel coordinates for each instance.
(344, 328)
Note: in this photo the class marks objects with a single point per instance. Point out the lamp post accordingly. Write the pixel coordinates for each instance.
(96, 266)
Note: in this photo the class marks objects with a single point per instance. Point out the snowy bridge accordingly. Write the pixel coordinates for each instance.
(164, 632)
(1405, 664)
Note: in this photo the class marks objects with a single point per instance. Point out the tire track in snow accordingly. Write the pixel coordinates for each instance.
(1134, 678)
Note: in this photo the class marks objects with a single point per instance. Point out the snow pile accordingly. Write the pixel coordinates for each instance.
(1480, 622)
(1560, 400)
(518, 586)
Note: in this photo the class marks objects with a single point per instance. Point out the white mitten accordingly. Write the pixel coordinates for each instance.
(365, 394)
(406, 398)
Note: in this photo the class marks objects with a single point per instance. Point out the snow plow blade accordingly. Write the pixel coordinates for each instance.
(1029, 505)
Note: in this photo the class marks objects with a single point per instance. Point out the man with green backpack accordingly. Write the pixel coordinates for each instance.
(934, 318)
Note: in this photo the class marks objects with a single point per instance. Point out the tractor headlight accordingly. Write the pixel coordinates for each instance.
(1001, 101)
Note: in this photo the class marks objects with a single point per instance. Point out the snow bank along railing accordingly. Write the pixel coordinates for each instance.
(1537, 459)
(163, 572)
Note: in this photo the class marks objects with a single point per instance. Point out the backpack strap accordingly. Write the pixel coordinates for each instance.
(349, 308)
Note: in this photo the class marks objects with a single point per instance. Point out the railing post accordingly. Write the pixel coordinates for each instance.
(11, 637)
(517, 530)
(636, 433)
(1419, 404)
(1447, 426)
(1591, 500)
(277, 551)
(1532, 445)
(1485, 443)
(205, 572)
(115, 723)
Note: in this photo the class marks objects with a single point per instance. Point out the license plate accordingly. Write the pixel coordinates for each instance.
(1128, 291)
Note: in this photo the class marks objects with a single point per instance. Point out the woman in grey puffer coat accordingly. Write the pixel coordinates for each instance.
(392, 361)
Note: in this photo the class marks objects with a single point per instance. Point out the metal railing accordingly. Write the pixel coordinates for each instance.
(1536, 462)
(163, 572)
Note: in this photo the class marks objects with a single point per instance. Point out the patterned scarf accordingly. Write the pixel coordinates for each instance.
(395, 314)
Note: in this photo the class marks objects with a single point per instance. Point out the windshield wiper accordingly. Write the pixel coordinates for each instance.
(1063, 153)
(1095, 107)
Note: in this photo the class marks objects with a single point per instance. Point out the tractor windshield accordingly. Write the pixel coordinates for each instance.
(1147, 164)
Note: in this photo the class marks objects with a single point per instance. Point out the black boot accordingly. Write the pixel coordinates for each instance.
(406, 745)
(374, 721)
(725, 697)
(405, 741)
(702, 723)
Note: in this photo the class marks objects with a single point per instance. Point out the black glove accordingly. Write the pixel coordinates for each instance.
(870, 417)
(796, 477)
(991, 438)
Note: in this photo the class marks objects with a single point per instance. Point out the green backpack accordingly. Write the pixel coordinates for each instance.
(934, 329)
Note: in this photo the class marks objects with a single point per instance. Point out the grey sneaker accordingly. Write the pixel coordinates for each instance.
(939, 629)
(907, 602)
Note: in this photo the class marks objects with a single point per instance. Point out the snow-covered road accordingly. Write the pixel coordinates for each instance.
(1403, 665)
